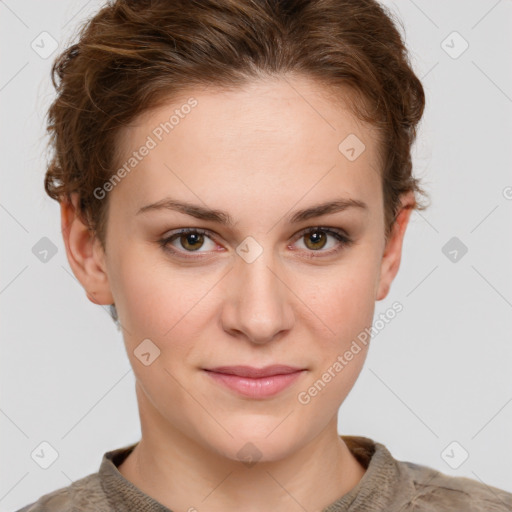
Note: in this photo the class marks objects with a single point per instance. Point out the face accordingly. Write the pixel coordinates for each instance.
(254, 283)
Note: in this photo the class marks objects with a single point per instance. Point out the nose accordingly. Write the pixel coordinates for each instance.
(258, 301)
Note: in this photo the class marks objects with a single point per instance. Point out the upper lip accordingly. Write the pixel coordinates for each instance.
(249, 371)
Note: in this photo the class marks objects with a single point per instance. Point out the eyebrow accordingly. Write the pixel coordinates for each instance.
(222, 217)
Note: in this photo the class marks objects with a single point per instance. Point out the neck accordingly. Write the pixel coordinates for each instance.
(182, 474)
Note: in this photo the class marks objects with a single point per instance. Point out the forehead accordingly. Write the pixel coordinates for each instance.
(278, 137)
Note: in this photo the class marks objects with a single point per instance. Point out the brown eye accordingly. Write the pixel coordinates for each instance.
(188, 240)
(191, 241)
(315, 240)
(322, 241)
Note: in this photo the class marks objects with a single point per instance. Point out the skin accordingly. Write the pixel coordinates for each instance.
(260, 153)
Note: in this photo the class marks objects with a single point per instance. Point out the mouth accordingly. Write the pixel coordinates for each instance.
(256, 383)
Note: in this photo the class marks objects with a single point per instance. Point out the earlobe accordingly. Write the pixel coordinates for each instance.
(85, 254)
(393, 249)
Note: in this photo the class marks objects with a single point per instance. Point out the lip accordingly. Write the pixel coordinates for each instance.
(253, 382)
(251, 372)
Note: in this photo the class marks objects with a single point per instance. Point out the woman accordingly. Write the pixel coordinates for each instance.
(235, 180)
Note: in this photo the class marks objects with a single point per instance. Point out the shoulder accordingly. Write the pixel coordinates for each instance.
(85, 494)
(433, 490)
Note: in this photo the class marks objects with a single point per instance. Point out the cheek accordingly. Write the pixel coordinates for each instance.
(155, 296)
(170, 307)
(347, 308)
(162, 308)
(348, 312)
(344, 302)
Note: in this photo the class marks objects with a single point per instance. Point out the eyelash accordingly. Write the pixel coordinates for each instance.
(343, 239)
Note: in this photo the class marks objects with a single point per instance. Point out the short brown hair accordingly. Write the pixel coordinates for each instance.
(135, 55)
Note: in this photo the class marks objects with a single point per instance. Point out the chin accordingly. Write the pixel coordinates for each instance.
(250, 446)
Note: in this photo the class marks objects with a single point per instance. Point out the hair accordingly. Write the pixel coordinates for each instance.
(135, 55)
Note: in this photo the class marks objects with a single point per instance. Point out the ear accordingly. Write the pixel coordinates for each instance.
(393, 250)
(85, 254)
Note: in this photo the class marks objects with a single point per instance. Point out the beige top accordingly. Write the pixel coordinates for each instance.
(388, 485)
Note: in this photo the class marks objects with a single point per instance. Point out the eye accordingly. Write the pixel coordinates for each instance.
(317, 238)
(191, 240)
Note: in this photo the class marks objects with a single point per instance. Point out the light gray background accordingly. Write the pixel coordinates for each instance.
(440, 372)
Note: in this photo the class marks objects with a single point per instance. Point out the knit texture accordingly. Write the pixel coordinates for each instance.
(388, 485)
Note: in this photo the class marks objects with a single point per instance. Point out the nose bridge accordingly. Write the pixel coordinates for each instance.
(260, 305)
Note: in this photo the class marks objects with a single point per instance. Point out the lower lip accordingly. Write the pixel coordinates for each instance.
(262, 387)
